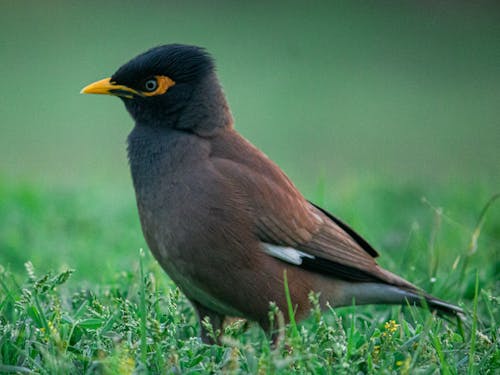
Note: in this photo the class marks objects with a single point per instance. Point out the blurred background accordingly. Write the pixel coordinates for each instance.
(407, 90)
(338, 93)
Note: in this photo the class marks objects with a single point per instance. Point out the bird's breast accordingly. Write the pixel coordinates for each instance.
(159, 160)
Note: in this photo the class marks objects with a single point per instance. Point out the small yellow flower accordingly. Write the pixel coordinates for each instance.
(391, 326)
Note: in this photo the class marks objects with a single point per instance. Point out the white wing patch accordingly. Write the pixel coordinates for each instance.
(287, 254)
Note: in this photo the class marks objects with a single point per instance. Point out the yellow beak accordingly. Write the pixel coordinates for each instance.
(106, 87)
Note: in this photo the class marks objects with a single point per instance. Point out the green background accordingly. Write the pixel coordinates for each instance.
(407, 91)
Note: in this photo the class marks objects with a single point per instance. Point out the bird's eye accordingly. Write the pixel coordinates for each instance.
(151, 85)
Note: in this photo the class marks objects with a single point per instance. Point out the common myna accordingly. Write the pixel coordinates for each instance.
(220, 217)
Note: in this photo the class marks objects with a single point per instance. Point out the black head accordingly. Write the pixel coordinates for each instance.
(164, 85)
(182, 63)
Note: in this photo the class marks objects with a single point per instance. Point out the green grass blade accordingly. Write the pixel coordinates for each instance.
(142, 310)
(472, 348)
(291, 310)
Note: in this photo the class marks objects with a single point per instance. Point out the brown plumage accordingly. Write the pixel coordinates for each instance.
(220, 217)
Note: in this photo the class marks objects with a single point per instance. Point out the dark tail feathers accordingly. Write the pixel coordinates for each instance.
(442, 306)
(433, 303)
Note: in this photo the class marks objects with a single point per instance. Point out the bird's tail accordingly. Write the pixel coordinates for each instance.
(434, 304)
(393, 289)
(416, 296)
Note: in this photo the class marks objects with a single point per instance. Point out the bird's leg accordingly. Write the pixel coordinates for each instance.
(275, 334)
(210, 334)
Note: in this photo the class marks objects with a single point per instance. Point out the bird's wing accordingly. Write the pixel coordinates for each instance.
(351, 232)
(294, 230)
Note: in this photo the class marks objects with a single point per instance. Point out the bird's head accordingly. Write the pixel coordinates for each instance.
(169, 86)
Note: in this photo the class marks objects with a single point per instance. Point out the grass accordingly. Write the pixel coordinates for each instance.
(118, 313)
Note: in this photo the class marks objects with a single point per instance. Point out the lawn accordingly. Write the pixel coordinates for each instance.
(77, 295)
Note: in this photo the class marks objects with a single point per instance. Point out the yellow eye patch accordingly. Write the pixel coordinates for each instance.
(107, 87)
(163, 82)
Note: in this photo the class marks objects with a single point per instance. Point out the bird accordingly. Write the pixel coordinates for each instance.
(221, 218)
